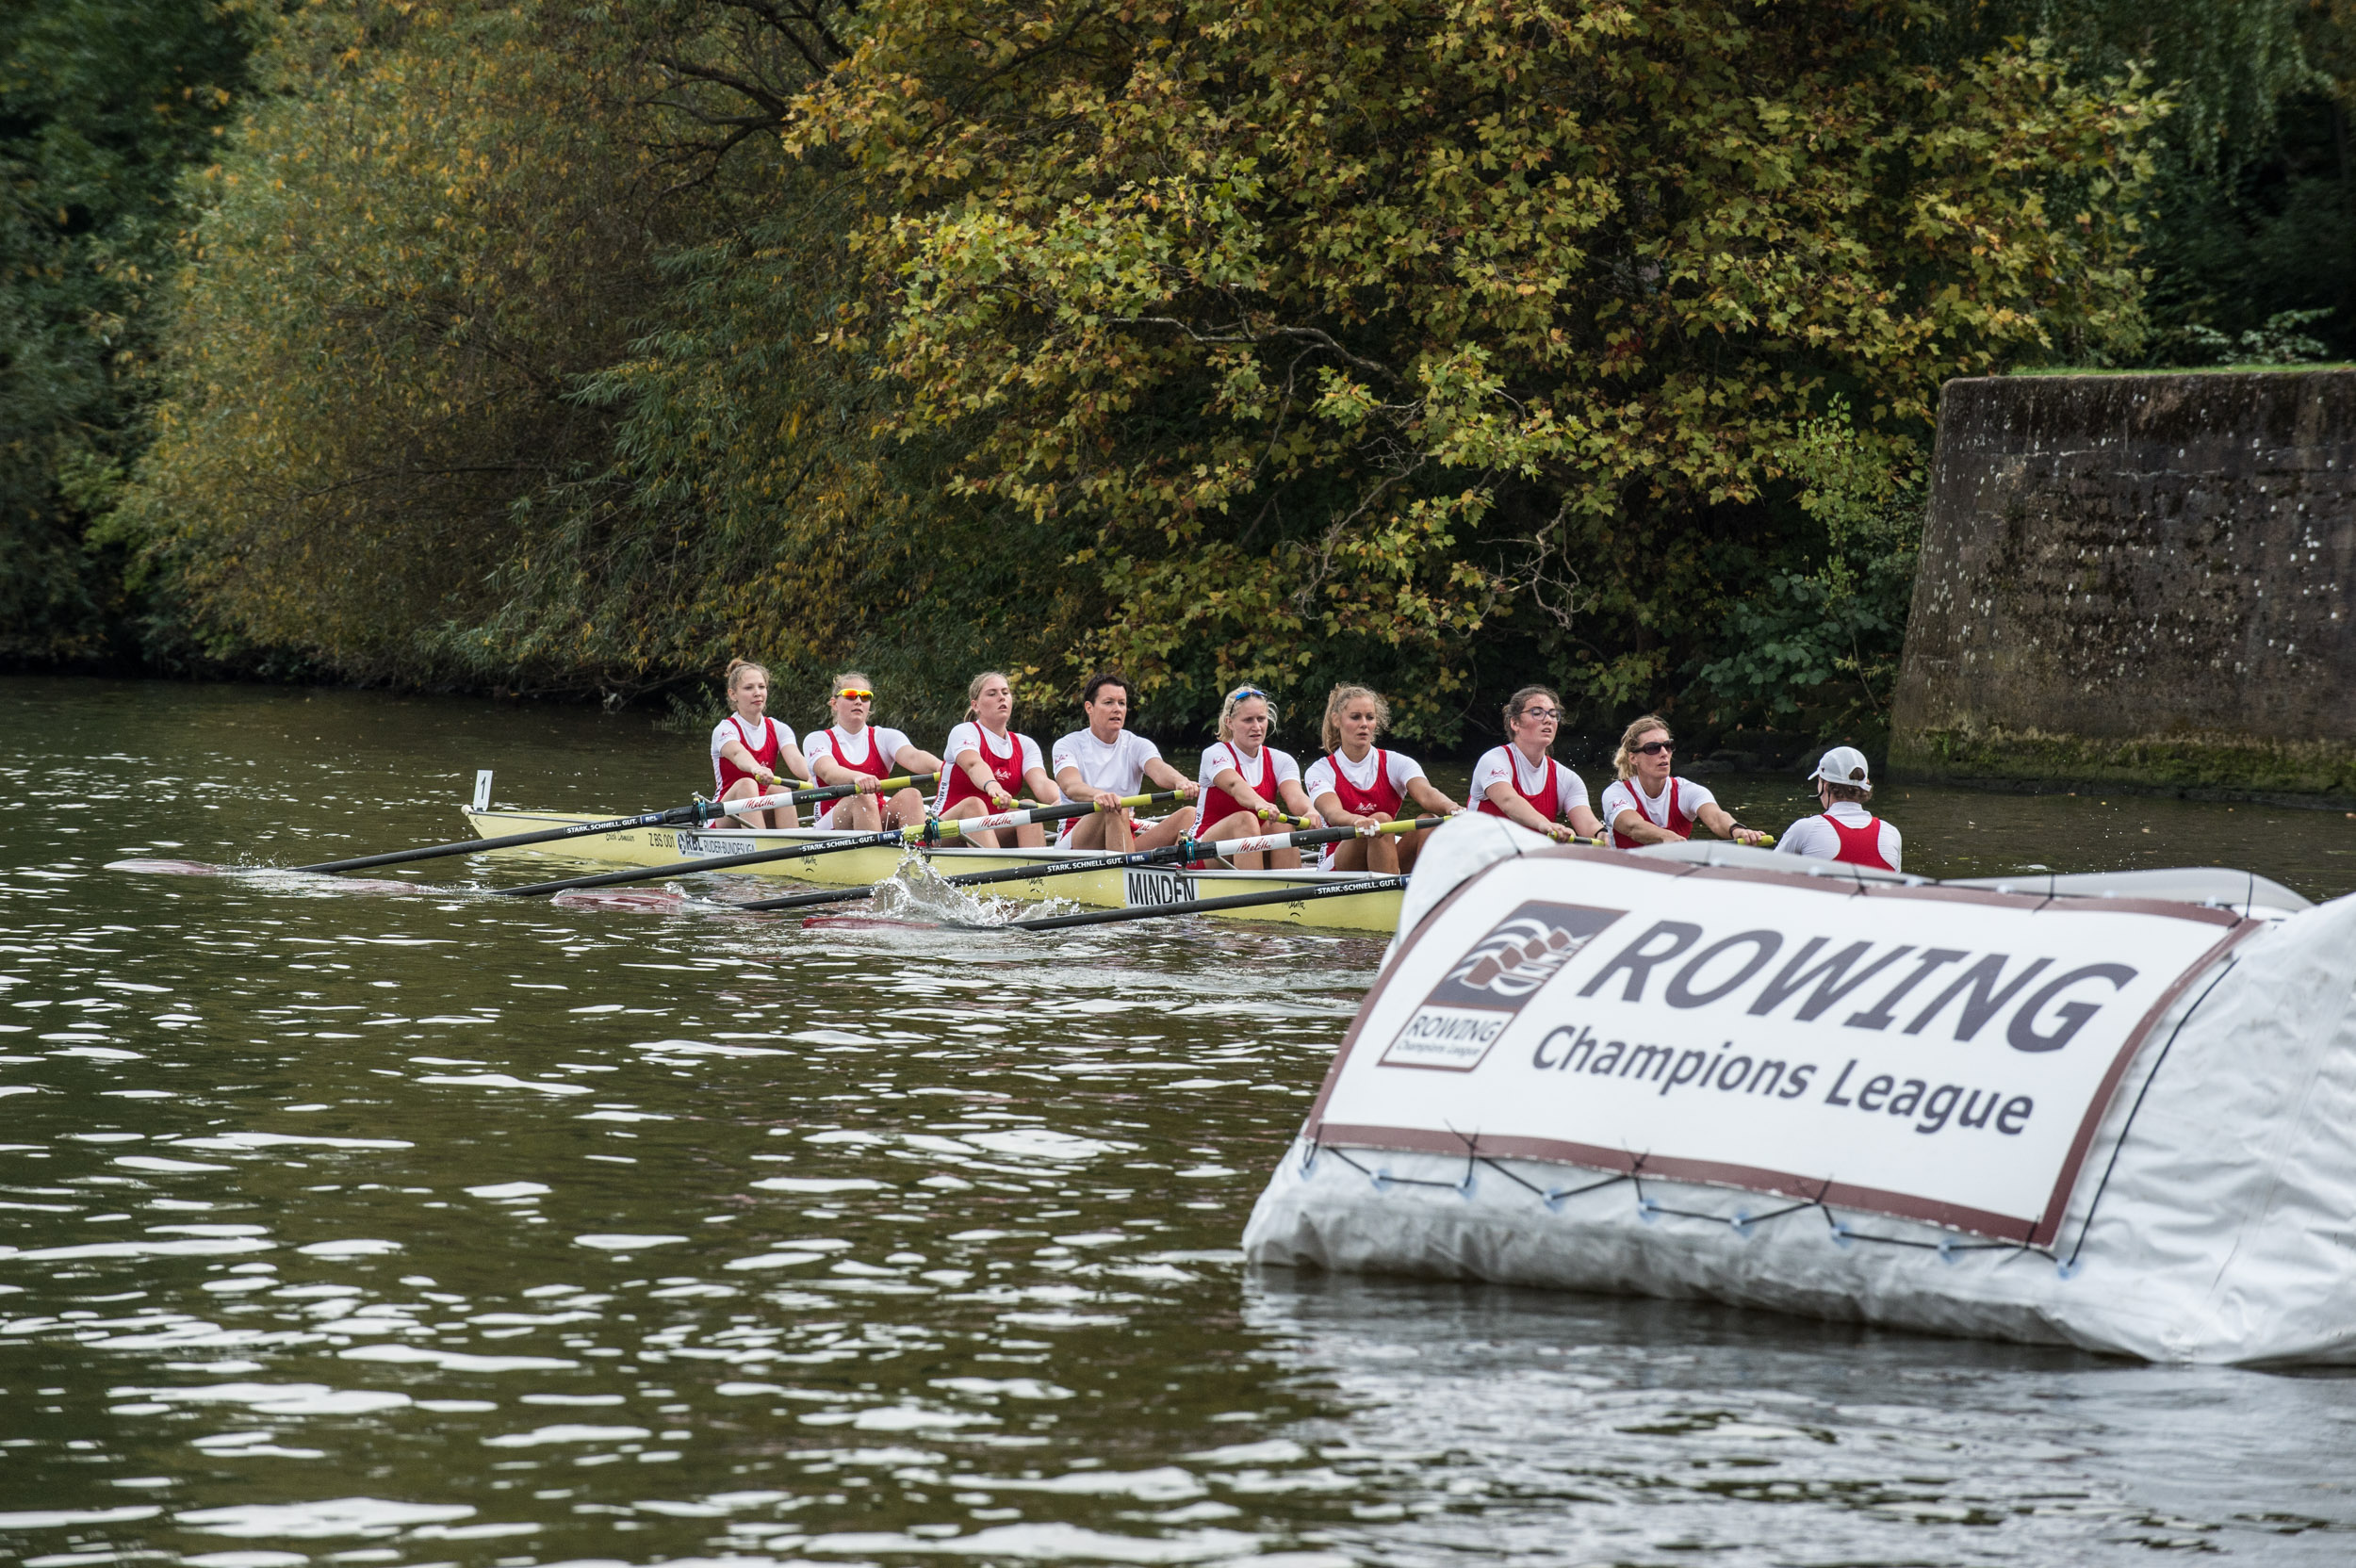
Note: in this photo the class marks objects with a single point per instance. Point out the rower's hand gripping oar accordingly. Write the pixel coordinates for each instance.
(1185, 849)
(829, 847)
(693, 816)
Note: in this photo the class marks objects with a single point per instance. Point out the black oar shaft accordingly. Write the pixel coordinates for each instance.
(698, 812)
(1201, 905)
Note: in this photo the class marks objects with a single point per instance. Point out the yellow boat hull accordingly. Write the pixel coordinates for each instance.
(1113, 888)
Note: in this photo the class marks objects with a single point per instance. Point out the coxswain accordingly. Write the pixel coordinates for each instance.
(1245, 782)
(751, 751)
(1357, 784)
(1649, 805)
(1846, 831)
(1523, 783)
(1106, 761)
(852, 751)
(990, 767)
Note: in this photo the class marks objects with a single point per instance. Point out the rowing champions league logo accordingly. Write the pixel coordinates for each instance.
(1484, 990)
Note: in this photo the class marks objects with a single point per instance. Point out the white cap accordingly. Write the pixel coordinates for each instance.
(1843, 765)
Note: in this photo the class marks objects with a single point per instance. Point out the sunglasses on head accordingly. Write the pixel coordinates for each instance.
(859, 691)
(1242, 692)
(1654, 748)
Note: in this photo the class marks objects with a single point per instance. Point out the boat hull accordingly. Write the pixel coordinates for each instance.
(1113, 888)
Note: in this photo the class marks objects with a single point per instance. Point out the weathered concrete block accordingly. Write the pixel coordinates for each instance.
(2138, 580)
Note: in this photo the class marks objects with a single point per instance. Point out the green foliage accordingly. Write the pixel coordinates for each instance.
(1359, 333)
(102, 104)
(1821, 647)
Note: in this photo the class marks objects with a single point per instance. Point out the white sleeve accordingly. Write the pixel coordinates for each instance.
(1694, 797)
(1494, 767)
(785, 734)
(1067, 755)
(1891, 841)
(1811, 836)
(1318, 780)
(1215, 758)
(889, 745)
(1404, 770)
(1618, 797)
(722, 733)
(1146, 750)
(1030, 753)
(1570, 791)
(965, 737)
(1286, 767)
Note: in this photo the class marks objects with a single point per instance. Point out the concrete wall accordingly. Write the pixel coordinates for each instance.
(2140, 579)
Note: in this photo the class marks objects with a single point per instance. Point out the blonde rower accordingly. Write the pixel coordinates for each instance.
(751, 751)
(1649, 805)
(989, 765)
(1356, 783)
(852, 751)
(1523, 783)
(1244, 780)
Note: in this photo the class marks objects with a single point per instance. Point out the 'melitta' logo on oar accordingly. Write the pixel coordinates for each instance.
(1492, 982)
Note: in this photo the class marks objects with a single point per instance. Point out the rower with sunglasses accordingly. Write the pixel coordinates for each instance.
(1522, 783)
(1245, 781)
(1649, 806)
(852, 751)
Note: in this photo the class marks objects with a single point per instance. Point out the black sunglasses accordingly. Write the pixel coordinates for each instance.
(1654, 748)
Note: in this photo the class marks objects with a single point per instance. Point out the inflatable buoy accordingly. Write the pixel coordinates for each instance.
(2109, 1111)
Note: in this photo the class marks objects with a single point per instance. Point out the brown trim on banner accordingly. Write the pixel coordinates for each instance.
(2099, 1104)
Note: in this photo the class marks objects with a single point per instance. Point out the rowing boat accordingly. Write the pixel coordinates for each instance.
(1114, 888)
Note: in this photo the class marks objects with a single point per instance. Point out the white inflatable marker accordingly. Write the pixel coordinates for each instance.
(1719, 1073)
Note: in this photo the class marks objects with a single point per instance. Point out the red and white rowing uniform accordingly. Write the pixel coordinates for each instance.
(767, 743)
(871, 751)
(1265, 774)
(1008, 758)
(1676, 808)
(1848, 832)
(1551, 790)
(1373, 786)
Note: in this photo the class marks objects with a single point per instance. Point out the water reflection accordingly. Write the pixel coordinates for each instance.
(354, 1229)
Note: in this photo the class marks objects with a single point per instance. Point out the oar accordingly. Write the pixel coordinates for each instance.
(829, 846)
(1185, 849)
(700, 812)
(1198, 906)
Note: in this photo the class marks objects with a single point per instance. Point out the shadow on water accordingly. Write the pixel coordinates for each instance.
(345, 1228)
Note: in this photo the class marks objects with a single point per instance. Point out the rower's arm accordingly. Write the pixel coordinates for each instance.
(1585, 823)
(790, 758)
(916, 759)
(1295, 799)
(1632, 824)
(1228, 778)
(1420, 792)
(969, 762)
(1507, 799)
(1161, 773)
(1330, 807)
(1042, 787)
(827, 770)
(1719, 820)
(741, 756)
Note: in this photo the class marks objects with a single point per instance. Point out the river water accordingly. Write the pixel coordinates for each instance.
(358, 1227)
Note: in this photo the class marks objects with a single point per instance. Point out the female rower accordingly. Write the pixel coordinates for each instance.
(988, 766)
(1521, 782)
(852, 751)
(1107, 761)
(1647, 804)
(1846, 831)
(1244, 780)
(1356, 784)
(748, 748)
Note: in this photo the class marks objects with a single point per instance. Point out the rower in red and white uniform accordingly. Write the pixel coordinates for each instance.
(1523, 783)
(1357, 784)
(1245, 781)
(852, 751)
(1846, 831)
(990, 767)
(752, 752)
(1649, 805)
(1108, 761)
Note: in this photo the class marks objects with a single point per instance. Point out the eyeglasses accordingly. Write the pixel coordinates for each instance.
(1541, 715)
(1242, 692)
(1654, 748)
(861, 693)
